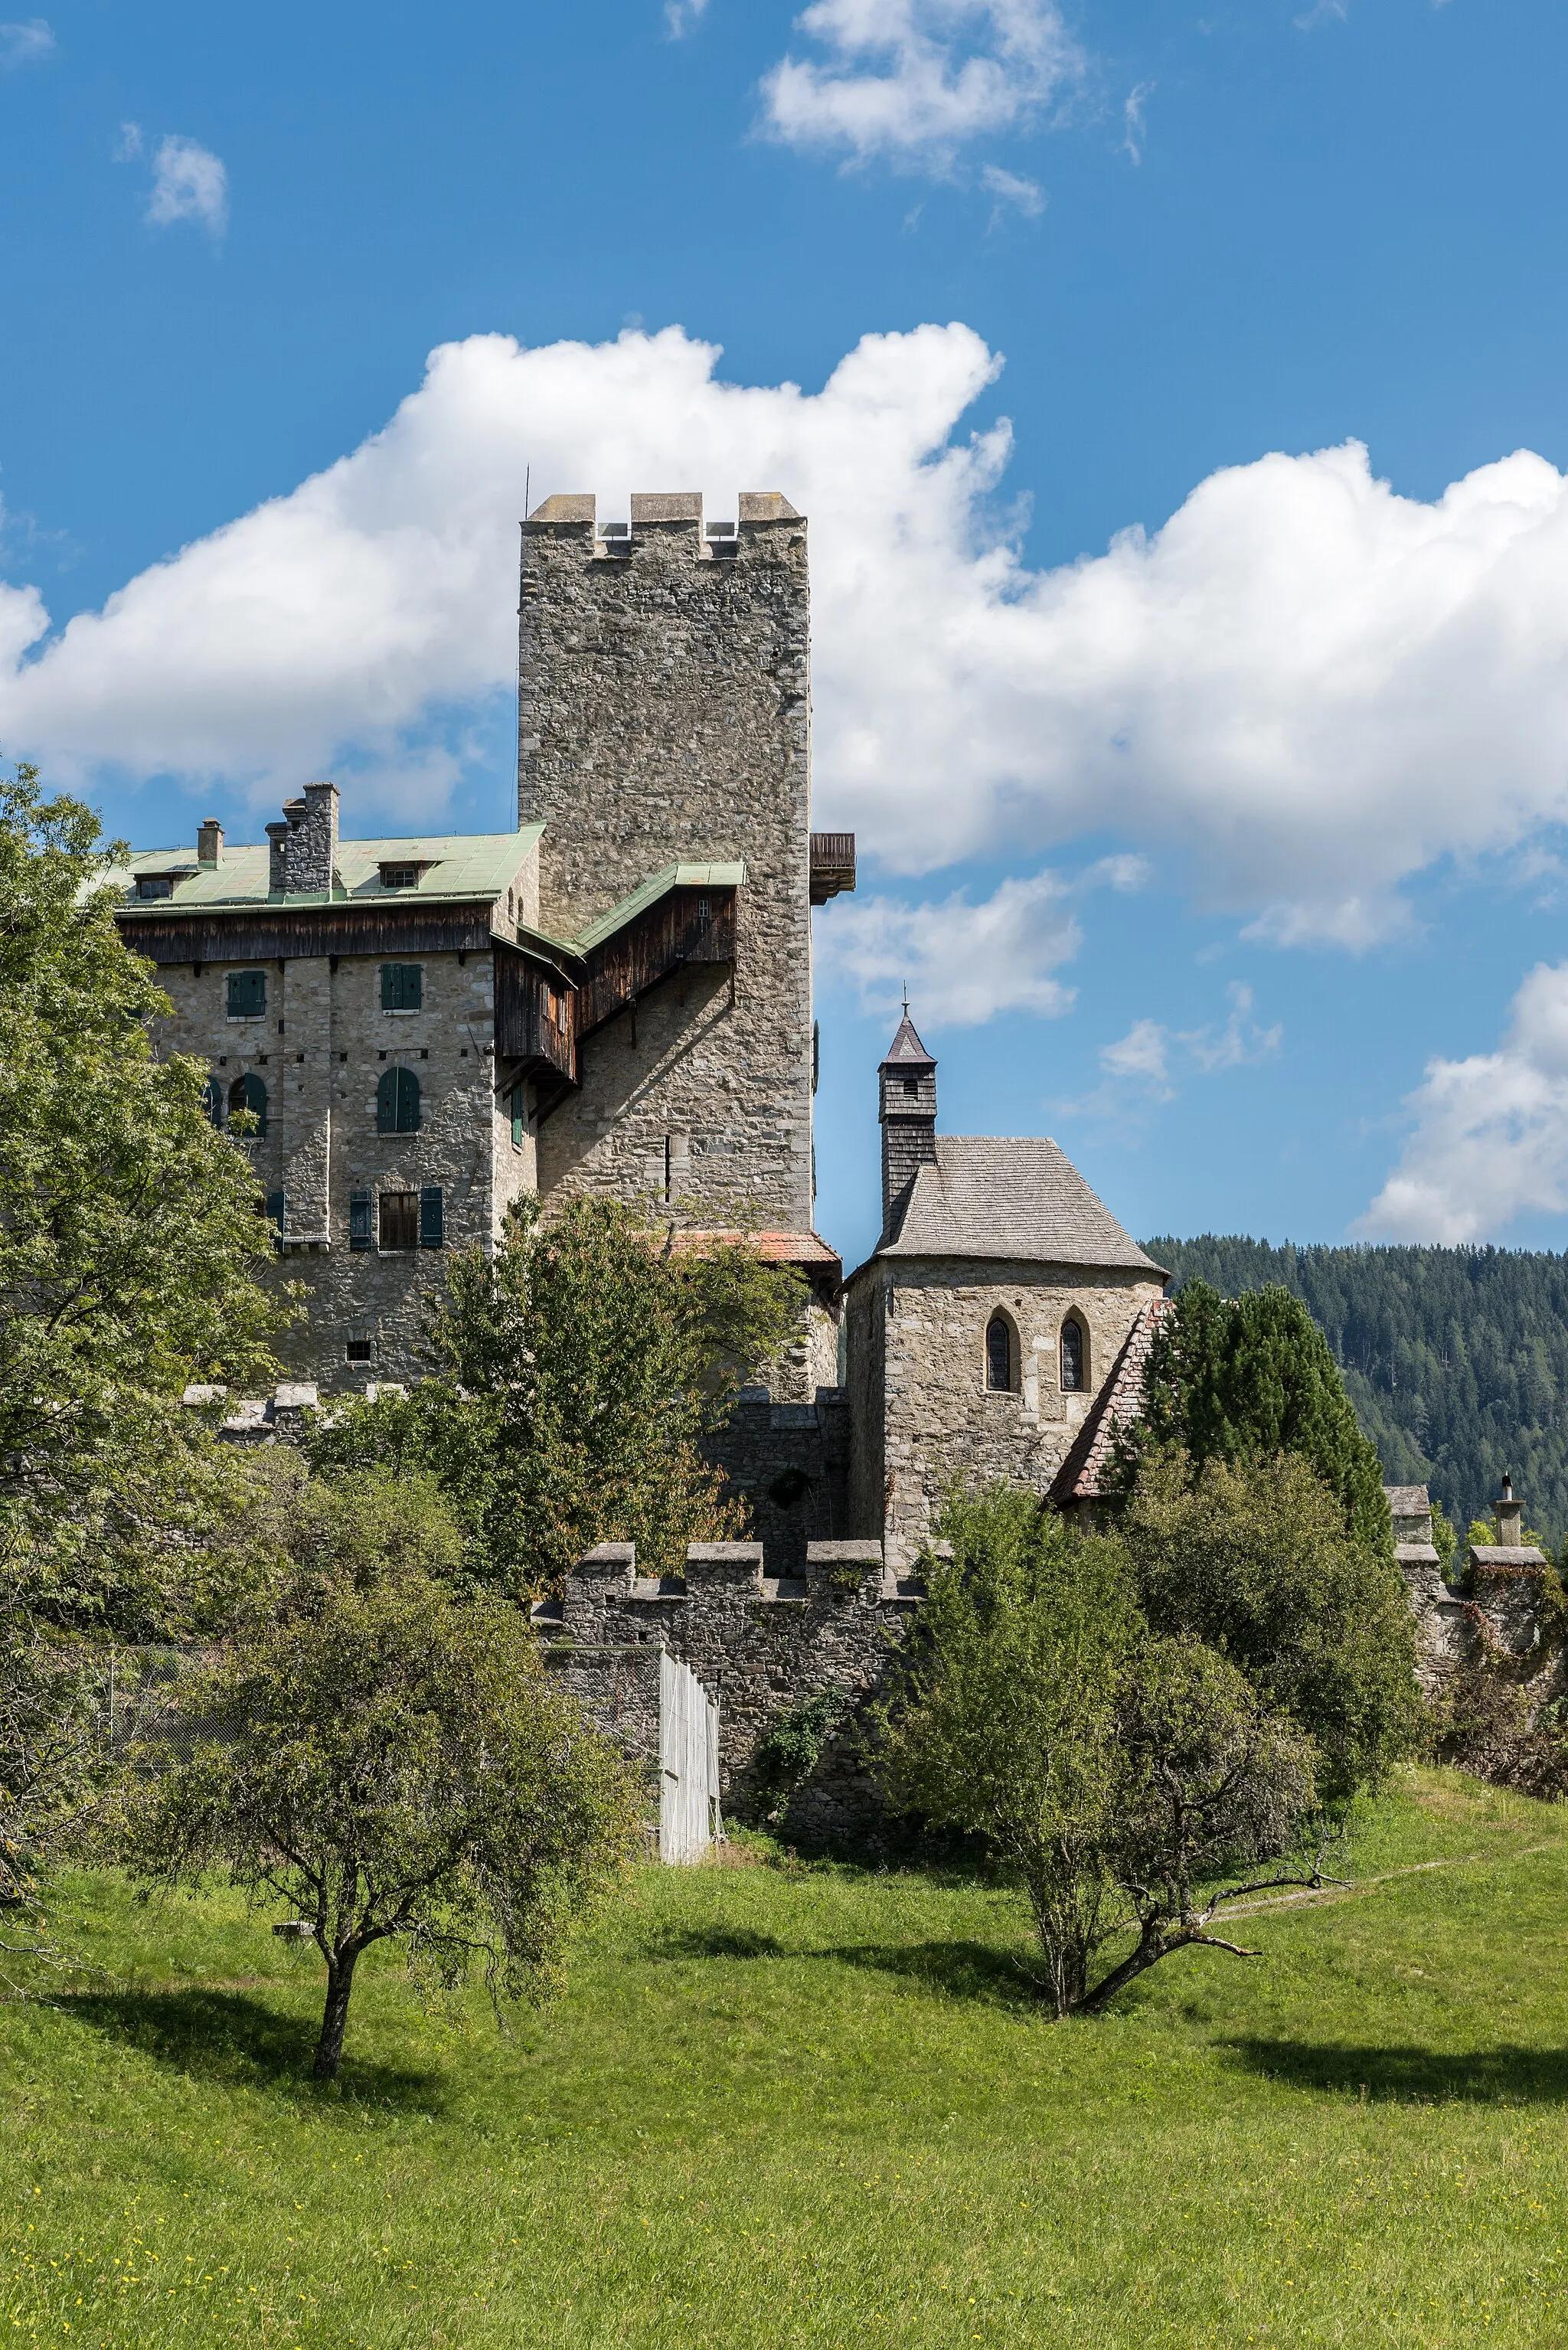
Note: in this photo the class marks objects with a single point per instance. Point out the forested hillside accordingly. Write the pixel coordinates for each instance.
(1456, 1359)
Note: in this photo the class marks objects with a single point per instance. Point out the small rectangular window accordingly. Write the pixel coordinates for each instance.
(400, 1218)
(359, 1235)
(247, 995)
(519, 1118)
(402, 986)
(433, 1217)
(359, 1350)
(399, 877)
(155, 885)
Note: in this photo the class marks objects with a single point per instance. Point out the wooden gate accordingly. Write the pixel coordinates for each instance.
(688, 1819)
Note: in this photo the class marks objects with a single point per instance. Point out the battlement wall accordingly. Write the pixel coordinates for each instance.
(762, 1645)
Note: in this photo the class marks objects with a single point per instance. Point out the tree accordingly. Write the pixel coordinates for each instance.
(129, 1231)
(576, 1373)
(1109, 1770)
(1244, 1379)
(130, 1240)
(1257, 1561)
(391, 1763)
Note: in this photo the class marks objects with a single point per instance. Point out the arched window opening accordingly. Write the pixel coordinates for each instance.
(248, 1092)
(1073, 1352)
(999, 1353)
(398, 1102)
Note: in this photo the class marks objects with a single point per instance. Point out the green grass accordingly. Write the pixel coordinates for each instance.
(820, 2107)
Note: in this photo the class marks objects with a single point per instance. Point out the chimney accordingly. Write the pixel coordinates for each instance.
(1508, 1514)
(210, 842)
(303, 848)
(907, 1086)
(313, 851)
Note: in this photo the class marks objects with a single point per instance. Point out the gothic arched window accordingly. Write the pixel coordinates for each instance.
(1073, 1352)
(249, 1093)
(398, 1102)
(999, 1353)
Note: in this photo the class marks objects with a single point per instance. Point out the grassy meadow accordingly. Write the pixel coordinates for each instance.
(786, 2104)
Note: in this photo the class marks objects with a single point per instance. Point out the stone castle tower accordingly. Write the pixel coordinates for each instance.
(664, 723)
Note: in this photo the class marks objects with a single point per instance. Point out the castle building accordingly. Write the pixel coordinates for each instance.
(616, 999)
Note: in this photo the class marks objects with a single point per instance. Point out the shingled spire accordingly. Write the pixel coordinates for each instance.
(906, 1084)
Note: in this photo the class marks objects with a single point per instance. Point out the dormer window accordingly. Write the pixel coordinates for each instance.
(401, 877)
(155, 885)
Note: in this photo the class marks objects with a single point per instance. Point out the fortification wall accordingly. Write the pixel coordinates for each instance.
(761, 1644)
(664, 718)
(791, 1460)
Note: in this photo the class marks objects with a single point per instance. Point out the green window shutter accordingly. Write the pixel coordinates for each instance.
(247, 995)
(359, 1233)
(398, 1102)
(249, 1093)
(277, 1214)
(215, 1101)
(433, 1217)
(402, 986)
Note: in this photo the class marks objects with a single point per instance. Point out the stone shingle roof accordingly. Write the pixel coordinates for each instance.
(1501, 1556)
(1117, 1404)
(990, 1196)
(1407, 1500)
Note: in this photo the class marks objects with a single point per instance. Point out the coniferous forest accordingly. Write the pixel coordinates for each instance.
(1455, 1359)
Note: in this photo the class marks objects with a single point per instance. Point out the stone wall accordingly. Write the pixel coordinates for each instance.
(761, 1644)
(664, 717)
(321, 1046)
(791, 1460)
(920, 1409)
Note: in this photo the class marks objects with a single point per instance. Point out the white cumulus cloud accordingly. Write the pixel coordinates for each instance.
(1151, 1057)
(913, 81)
(189, 184)
(1490, 1134)
(964, 961)
(25, 43)
(1299, 692)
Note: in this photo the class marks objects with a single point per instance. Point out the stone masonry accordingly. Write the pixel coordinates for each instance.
(760, 1645)
(664, 714)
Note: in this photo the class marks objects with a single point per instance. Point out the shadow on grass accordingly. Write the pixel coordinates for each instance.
(973, 1970)
(718, 1942)
(222, 2035)
(1425, 2076)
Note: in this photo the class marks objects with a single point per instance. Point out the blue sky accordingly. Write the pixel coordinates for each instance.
(1229, 854)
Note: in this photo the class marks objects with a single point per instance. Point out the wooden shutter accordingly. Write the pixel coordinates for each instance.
(247, 995)
(402, 986)
(277, 1214)
(433, 1217)
(398, 1102)
(359, 1233)
(215, 1101)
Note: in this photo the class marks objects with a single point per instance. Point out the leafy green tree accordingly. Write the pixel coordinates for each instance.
(1109, 1771)
(1456, 1359)
(129, 1245)
(1237, 1379)
(576, 1373)
(129, 1239)
(390, 1764)
(1256, 1560)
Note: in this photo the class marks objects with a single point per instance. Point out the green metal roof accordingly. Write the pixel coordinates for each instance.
(459, 865)
(674, 877)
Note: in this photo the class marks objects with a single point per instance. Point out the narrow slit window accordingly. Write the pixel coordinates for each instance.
(1071, 1356)
(999, 1353)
